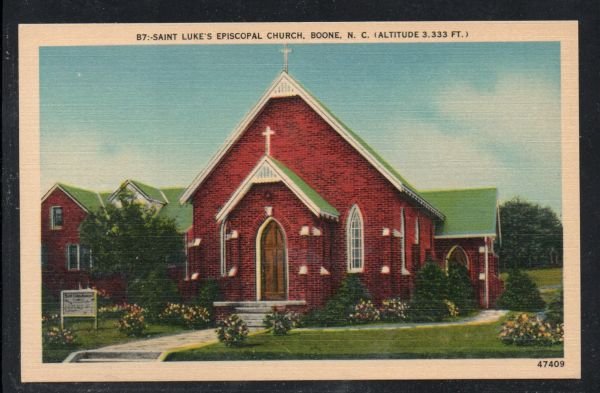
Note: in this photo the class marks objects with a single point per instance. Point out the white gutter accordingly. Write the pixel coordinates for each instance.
(487, 282)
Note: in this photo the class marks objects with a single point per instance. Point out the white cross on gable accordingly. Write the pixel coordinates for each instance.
(268, 132)
(285, 52)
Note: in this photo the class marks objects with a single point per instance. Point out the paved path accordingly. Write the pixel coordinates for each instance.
(485, 316)
(164, 343)
(154, 349)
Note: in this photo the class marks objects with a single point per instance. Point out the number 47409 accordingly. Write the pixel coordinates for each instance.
(551, 363)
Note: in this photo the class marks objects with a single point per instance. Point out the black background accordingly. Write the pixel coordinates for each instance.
(111, 11)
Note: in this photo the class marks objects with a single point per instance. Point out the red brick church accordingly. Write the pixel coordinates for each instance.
(295, 200)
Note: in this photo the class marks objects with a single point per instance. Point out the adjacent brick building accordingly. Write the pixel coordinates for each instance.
(66, 261)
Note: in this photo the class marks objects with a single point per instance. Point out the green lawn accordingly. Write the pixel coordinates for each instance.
(107, 334)
(543, 277)
(474, 341)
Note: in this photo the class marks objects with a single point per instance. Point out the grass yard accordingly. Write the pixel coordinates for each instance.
(107, 334)
(472, 341)
(543, 277)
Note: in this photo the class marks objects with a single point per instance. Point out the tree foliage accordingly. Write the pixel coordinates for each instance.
(531, 235)
(460, 288)
(132, 241)
(521, 293)
(431, 291)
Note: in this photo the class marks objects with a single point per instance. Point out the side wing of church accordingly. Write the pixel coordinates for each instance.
(295, 200)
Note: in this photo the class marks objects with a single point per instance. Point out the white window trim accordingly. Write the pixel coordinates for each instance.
(417, 231)
(52, 225)
(405, 271)
(349, 254)
(223, 240)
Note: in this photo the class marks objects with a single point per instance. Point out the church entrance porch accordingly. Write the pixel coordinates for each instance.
(272, 261)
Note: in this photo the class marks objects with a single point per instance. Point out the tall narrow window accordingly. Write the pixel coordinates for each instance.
(417, 231)
(56, 217)
(73, 257)
(403, 243)
(355, 240)
(224, 238)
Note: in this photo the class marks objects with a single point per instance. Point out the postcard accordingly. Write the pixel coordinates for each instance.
(289, 201)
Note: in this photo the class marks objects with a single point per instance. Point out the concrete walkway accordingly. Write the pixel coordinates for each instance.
(485, 316)
(154, 349)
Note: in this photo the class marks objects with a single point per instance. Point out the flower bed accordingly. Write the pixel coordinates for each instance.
(133, 322)
(525, 329)
(232, 331)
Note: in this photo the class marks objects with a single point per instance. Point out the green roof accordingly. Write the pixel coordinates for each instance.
(90, 200)
(314, 196)
(182, 214)
(469, 212)
(150, 191)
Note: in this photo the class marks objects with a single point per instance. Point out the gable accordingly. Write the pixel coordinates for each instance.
(469, 212)
(286, 86)
(142, 193)
(87, 200)
(269, 170)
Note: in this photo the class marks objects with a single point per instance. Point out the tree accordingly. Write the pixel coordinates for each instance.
(431, 292)
(521, 293)
(132, 241)
(531, 235)
(460, 288)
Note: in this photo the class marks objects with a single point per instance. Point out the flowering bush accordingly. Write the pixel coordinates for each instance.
(364, 311)
(281, 322)
(394, 309)
(58, 337)
(193, 317)
(453, 311)
(50, 318)
(132, 323)
(525, 329)
(112, 311)
(232, 331)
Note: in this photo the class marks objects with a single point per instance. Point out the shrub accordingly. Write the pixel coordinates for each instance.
(195, 317)
(430, 294)
(232, 331)
(555, 309)
(364, 312)
(459, 287)
(521, 293)
(526, 329)
(153, 292)
(112, 311)
(281, 322)
(394, 310)
(55, 336)
(48, 319)
(133, 322)
(192, 317)
(340, 306)
(453, 310)
(207, 294)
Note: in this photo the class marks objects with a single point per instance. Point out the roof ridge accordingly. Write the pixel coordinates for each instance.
(459, 189)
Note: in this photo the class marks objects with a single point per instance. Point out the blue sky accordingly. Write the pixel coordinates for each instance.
(445, 115)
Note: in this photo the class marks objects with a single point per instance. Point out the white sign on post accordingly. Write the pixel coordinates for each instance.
(78, 303)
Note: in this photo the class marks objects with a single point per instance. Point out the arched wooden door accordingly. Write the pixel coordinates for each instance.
(273, 263)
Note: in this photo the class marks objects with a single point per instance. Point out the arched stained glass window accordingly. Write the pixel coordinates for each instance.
(355, 240)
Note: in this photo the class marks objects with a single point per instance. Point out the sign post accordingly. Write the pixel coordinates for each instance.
(80, 303)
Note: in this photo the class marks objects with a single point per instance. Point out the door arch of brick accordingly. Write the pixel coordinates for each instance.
(272, 272)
